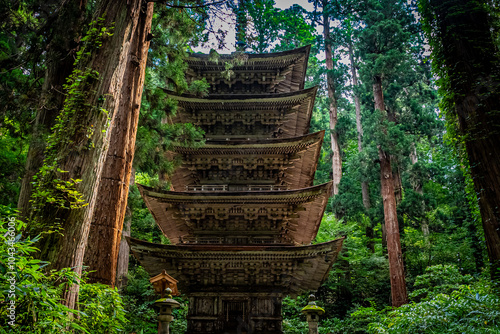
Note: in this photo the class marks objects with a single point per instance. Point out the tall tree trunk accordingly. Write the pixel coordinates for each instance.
(396, 267)
(330, 80)
(107, 221)
(396, 172)
(60, 58)
(470, 61)
(117, 63)
(365, 192)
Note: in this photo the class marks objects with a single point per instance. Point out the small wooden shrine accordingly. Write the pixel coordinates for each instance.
(243, 210)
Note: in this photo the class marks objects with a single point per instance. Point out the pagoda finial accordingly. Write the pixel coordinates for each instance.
(312, 299)
(168, 293)
(241, 26)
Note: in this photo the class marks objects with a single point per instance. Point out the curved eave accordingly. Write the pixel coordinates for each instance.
(165, 208)
(298, 106)
(300, 174)
(201, 60)
(312, 263)
(288, 145)
(295, 59)
(269, 98)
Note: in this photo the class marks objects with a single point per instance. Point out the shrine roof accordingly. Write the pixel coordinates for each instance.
(296, 106)
(295, 158)
(302, 209)
(274, 59)
(289, 68)
(263, 146)
(295, 269)
(295, 195)
(261, 99)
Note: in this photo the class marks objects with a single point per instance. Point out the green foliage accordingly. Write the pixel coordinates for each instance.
(293, 320)
(466, 310)
(358, 277)
(272, 29)
(138, 298)
(72, 129)
(448, 306)
(37, 293)
(438, 279)
(174, 30)
(20, 66)
(12, 160)
(102, 309)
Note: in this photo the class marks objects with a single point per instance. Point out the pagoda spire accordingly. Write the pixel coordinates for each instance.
(241, 26)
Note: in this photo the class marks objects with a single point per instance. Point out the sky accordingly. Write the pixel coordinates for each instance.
(284, 4)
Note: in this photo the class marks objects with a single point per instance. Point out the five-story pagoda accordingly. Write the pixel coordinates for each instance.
(243, 211)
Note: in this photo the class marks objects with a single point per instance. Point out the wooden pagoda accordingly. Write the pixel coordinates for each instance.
(243, 210)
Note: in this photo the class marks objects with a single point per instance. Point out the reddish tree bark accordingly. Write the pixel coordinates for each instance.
(119, 66)
(330, 80)
(101, 255)
(396, 267)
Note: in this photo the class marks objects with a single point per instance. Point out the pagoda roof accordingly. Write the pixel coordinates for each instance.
(299, 210)
(289, 66)
(296, 156)
(263, 146)
(292, 269)
(231, 108)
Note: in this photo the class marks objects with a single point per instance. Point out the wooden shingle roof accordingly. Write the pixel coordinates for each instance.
(288, 113)
(278, 72)
(294, 158)
(296, 213)
(291, 269)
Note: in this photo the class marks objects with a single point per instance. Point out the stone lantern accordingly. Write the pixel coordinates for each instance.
(166, 286)
(312, 312)
(166, 306)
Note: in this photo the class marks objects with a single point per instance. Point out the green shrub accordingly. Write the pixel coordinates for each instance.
(466, 310)
(102, 310)
(438, 279)
(445, 301)
(447, 305)
(38, 292)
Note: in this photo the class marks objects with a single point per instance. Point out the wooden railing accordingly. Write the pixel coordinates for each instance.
(207, 187)
(229, 241)
(225, 187)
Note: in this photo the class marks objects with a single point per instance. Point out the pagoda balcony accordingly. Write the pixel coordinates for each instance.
(290, 161)
(242, 240)
(226, 187)
(237, 117)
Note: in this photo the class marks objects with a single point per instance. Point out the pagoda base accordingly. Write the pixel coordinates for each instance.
(234, 313)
